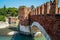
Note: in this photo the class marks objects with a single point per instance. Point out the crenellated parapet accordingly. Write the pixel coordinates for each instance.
(58, 10)
(38, 11)
(54, 6)
(43, 9)
(48, 7)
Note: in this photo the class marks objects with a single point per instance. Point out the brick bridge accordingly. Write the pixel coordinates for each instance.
(50, 23)
(48, 15)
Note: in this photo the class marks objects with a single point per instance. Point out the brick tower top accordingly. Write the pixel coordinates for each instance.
(54, 1)
(54, 6)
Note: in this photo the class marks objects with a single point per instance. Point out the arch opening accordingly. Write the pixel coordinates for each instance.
(36, 27)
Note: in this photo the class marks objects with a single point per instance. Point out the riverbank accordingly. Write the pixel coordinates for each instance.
(7, 31)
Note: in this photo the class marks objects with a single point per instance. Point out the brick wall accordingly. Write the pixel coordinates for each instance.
(50, 24)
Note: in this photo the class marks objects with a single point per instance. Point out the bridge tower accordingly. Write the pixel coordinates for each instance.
(54, 6)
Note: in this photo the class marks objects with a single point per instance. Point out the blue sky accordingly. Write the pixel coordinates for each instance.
(17, 3)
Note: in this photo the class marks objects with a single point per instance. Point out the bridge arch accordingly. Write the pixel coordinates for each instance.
(41, 29)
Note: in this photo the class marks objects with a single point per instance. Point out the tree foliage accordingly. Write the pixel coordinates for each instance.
(32, 7)
(12, 12)
(6, 12)
(2, 18)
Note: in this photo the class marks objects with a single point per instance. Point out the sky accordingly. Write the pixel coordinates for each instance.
(17, 3)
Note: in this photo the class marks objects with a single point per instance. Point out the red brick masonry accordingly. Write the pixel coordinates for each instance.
(50, 23)
(48, 15)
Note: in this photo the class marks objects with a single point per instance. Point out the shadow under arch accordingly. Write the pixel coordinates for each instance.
(41, 29)
(18, 36)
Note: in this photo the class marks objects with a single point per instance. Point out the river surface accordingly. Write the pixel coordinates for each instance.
(17, 36)
(21, 37)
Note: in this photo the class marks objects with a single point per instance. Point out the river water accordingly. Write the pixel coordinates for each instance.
(21, 37)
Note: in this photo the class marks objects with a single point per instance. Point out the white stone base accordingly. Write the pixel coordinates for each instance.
(24, 28)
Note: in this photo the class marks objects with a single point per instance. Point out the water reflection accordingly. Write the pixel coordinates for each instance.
(21, 37)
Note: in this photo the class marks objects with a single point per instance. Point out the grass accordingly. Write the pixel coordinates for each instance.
(40, 38)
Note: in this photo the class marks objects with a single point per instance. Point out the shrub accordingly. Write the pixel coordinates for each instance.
(2, 18)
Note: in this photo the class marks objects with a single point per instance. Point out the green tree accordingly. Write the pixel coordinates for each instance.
(12, 12)
(2, 18)
(6, 12)
(3, 11)
(32, 7)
